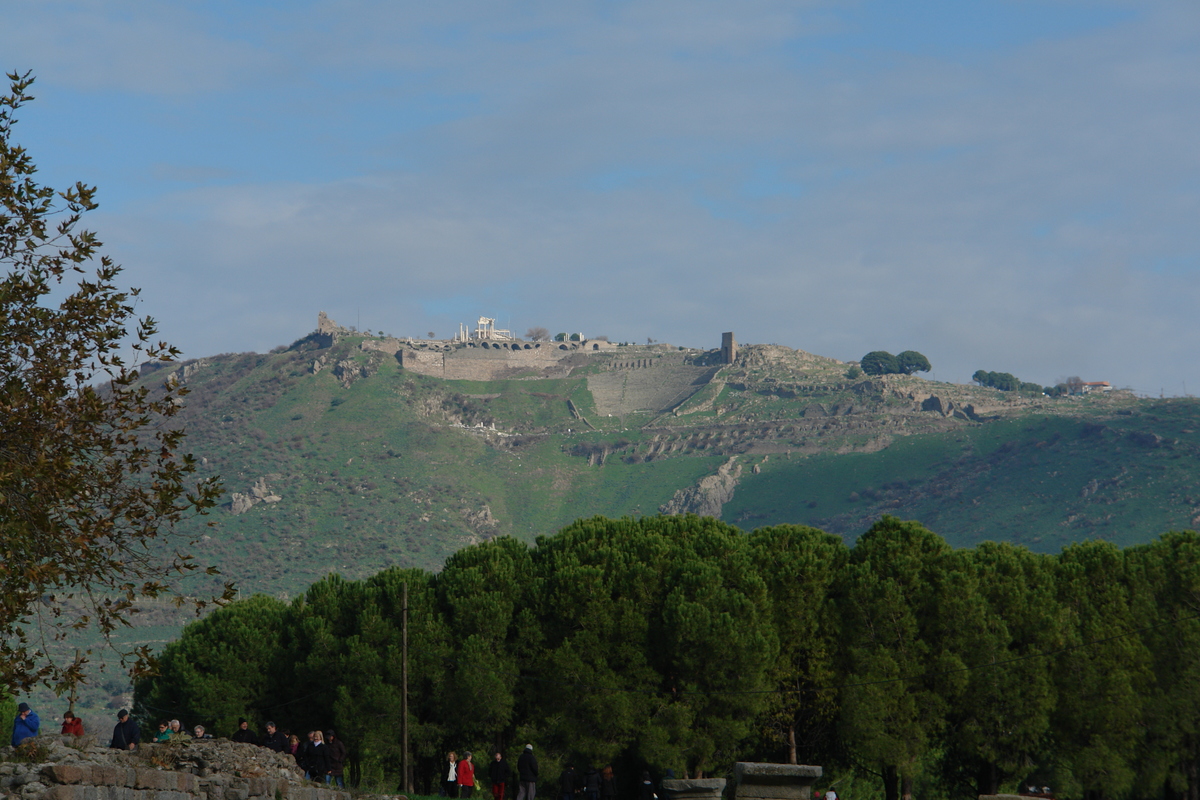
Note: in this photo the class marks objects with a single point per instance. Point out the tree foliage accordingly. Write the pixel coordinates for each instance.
(1005, 382)
(911, 361)
(92, 476)
(681, 643)
(881, 362)
(537, 334)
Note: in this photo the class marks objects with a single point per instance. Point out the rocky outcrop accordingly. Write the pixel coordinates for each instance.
(260, 492)
(481, 521)
(947, 408)
(191, 368)
(79, 768)
(709, 495)
(350, 370)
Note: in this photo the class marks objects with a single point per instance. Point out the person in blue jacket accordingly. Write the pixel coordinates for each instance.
(26, 725)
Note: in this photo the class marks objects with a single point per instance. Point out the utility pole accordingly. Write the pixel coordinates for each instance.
(405, 776)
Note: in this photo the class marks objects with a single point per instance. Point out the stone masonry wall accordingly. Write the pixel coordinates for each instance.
(485, 364)
(70, 768)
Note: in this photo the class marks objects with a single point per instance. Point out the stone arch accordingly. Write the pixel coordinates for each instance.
(528, 347)
(562, 347)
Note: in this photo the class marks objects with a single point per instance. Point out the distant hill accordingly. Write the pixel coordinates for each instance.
(351, 453)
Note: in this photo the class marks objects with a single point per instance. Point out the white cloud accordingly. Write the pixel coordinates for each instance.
(1031, 210)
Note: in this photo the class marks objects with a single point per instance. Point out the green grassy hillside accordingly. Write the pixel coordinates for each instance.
(362, 464)
(397, 468)
(365, 464)
(1040, 481)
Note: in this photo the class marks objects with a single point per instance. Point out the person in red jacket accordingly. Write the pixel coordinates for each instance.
(72, 725)
(466, 775)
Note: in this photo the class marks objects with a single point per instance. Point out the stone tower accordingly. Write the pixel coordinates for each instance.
(728, 348)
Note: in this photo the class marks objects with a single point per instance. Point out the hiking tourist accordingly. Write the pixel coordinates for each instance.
(125, 734)
(499, 774)
(527, 773)
(26, 724)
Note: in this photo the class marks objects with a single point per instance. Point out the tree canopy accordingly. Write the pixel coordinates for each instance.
(682, 643)
(881, 362)
(1004, 381)
(92, 475)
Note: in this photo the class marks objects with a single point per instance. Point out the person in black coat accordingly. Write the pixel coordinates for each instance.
(568, 783)
(318, 759)
(608, 783)
(243, 733)
(337, 752)
(125, 733)
(302, 754)
(591, 784)
(527, 773)
(499, 774)
(647, 787)
(273, 739)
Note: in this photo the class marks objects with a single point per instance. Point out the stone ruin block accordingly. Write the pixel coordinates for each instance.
(694, 789)
(758, 781)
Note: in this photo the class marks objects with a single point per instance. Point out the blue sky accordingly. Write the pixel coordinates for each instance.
(1008, 185)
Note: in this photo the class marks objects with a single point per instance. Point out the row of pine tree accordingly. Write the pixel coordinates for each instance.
(684, 644)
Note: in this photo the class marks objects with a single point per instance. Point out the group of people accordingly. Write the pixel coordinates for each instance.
(27, 725)
(459, 780)
(594, 784)
(321, 755)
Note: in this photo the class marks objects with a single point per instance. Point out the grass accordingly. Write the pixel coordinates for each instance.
(1039, 481)
(382, 473)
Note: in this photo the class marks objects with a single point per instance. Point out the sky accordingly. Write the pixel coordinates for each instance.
(1004, 185)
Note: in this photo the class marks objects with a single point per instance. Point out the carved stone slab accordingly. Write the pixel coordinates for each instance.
(758, 781)
(694, 789)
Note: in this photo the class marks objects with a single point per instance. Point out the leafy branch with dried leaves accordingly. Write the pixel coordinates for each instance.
(92, 475)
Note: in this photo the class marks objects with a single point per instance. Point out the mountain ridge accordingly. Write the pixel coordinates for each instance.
(345, 459)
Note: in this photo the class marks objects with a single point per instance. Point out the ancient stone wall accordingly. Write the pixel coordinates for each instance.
(77, 768)
(489, 362)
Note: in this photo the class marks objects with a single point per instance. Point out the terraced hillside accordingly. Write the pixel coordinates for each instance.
(336, 457)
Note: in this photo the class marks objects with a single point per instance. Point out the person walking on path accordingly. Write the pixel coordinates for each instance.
(125, 732)
(450, 782)
(527, 774)
(466, 776)
(608, 783)
(26, 724)
(499, 774)
(647, 787)
(568, 783)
